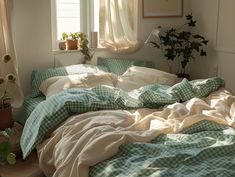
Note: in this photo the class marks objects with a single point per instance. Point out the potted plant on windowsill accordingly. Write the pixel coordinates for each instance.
(78, 40)
(179, 44)
(6, 119)
(72, 41)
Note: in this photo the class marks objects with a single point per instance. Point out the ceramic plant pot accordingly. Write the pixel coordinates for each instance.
(71, 44)
(6, 119)
(62, 45)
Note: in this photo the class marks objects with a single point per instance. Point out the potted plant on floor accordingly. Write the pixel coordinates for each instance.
(6, 119)
(6, 155)
(179, 44)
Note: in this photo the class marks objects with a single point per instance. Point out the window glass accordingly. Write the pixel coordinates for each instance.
(68, 16)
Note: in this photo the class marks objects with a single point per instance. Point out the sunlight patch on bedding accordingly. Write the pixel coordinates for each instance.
(157, 124)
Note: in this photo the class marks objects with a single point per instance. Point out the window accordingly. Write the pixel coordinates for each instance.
(73, 16)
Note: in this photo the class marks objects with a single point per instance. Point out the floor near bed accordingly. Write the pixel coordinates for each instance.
(27, 168)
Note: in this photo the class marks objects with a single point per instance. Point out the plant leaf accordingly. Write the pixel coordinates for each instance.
(197, 36)
(202, 53)
(205, 42)
(5, 149)
(154, 44)
(195, 46)
(11, 158)
(192, 23)
(189, 17)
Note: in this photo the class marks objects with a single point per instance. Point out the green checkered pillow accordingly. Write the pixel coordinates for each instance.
(119, 66)
(39, 76)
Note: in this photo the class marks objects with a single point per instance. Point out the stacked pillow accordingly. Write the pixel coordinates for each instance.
(39, 76)
(136, 77)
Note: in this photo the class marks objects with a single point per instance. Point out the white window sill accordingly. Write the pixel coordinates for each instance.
(58, 51)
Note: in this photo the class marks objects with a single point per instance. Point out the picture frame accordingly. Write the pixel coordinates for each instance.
(162, 8)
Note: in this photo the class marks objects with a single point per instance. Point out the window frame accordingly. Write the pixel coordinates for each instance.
(87, 21)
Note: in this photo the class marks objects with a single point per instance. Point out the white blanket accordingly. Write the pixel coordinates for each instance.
(86, 139)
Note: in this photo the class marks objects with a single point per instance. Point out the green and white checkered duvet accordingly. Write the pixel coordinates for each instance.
(51, 113)
(204, 150)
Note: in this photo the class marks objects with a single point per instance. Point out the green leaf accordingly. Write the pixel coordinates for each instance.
(192, 23)
(197, 36)
(184, 35)
(189, 17)
(196, 46)
(170, 54)
(5, 149)
(8, 132)
(154, 44)
(11, 158)
(202, 53)
(205, 42)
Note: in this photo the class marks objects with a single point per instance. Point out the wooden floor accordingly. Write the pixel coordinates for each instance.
(27, 168)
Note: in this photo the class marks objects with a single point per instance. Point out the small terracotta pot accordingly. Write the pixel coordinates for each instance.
(6, 119)
(71, 44)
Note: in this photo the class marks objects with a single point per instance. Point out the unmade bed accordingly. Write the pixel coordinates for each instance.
(101, 124)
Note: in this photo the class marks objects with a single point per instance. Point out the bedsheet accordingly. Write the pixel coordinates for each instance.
(195, 138)
(53, 111)
(27, 108)
(205, 149)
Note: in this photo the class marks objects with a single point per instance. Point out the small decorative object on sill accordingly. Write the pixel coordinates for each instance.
(179, 44)
(6, 81)
(62, 43)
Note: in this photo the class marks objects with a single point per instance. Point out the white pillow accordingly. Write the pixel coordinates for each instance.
(60, 83)
(136, 77)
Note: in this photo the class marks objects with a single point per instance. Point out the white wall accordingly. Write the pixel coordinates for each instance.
(32, 35)
(222, 60)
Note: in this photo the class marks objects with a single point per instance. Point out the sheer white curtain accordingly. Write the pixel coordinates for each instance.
(119, 24)
(7, 47)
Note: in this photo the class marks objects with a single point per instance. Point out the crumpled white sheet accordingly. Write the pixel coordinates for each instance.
(86, 139)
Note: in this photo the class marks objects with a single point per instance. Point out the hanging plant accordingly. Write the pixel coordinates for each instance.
(83, 45)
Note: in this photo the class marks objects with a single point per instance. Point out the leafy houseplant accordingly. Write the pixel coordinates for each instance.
(176, 43)
(83, 45)
(6, 119)
(71, 40)
(79, 39)
(6, 155)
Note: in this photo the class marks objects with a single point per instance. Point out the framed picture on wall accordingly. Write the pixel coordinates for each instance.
(162, 8)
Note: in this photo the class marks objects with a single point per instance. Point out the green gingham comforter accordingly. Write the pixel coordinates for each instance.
(51, 113)
(204, 150)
